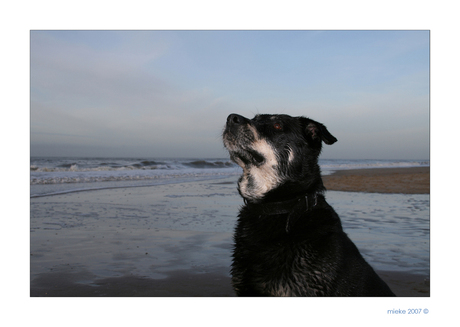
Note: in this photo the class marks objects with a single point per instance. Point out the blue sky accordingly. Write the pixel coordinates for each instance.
(168, 93)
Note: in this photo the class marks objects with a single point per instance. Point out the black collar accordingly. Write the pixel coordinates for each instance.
(294, 207)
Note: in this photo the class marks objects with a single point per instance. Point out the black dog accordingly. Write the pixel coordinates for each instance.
(288, 239)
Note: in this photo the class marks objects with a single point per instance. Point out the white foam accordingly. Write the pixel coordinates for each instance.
(64, 174)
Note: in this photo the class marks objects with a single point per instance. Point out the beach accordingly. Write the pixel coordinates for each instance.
(415, 180)
(175, 240)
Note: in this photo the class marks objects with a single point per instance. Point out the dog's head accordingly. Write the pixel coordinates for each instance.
(278, 154)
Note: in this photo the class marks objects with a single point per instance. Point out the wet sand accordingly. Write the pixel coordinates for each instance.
(184, 284)
(175, 240)
(380, 180)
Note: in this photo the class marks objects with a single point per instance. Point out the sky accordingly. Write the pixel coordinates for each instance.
(168, 93)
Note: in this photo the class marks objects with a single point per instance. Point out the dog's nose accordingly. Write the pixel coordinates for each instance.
(235, 119)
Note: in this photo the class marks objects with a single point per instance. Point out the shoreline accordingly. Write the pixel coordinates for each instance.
(403, 180)
(410, 180)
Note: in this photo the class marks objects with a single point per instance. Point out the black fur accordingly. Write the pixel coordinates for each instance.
(288, 240)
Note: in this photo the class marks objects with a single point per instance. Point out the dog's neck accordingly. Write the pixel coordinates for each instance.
(284, 206)
(293, 208)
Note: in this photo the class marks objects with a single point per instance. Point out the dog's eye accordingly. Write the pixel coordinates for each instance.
(277, 126)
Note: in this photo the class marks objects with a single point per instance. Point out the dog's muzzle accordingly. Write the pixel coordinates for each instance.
(234, 135)
(238, 139)
(234, 122)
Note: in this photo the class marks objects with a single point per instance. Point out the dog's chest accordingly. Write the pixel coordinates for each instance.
(277, 263)
(285, 272)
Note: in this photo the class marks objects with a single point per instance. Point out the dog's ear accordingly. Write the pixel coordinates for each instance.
(318, 131)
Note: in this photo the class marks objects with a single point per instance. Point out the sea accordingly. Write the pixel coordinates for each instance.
(59, 175)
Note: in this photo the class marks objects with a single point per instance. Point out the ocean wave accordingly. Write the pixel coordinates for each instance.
(116, 178)
(209, 164)
(51, 175)
(94, 166)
